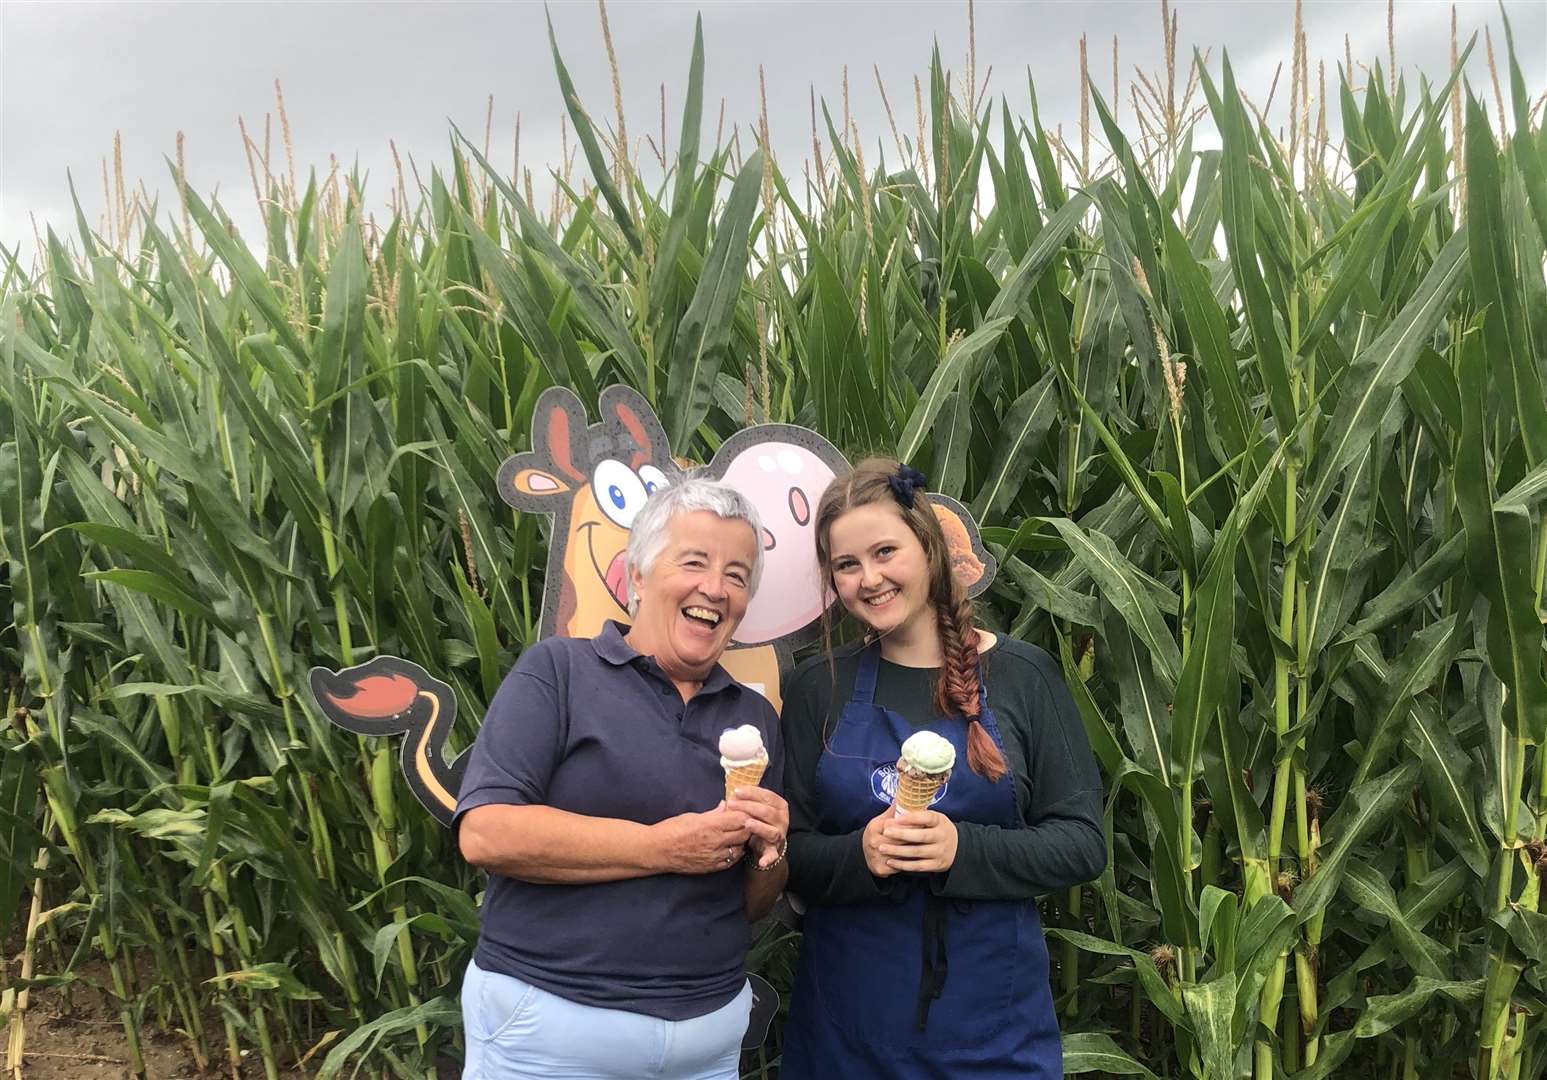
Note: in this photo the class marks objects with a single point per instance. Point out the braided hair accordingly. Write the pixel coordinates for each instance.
(884, 480)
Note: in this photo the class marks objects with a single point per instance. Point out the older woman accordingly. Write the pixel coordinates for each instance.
(622, 885)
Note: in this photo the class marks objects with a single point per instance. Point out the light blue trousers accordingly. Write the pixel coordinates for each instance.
(517, 1032)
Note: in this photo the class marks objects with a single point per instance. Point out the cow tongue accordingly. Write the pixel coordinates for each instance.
(617, 580)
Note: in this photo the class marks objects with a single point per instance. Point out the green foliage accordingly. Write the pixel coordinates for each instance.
(1263, 464)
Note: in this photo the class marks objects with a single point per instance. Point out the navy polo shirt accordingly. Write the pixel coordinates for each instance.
(592, 727)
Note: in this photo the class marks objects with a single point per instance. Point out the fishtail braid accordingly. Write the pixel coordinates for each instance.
(956, 694)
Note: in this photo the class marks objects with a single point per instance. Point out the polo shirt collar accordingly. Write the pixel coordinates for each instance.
(611, 646)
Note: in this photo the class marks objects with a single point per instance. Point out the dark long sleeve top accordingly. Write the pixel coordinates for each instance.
(1058, 789)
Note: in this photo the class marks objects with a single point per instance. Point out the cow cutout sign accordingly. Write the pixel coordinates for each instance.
(593, 478)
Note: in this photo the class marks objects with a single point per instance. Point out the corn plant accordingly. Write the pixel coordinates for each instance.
(1257, 433)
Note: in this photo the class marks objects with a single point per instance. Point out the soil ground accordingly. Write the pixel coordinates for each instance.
(76, 1034)
(82, 1039)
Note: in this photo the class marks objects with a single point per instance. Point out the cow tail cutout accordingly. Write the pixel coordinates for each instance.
(390, 696)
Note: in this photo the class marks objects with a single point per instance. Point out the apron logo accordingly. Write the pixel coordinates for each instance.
(883, 784)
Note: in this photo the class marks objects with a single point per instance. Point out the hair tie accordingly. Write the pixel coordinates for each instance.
(905, 483)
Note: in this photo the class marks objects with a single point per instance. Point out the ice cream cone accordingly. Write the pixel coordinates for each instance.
(747, 775)
(916, 790)
(743, 757)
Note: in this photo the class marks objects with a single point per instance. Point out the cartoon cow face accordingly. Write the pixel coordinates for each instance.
(593, 479)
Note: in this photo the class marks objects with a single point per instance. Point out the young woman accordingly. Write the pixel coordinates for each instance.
(923, 953)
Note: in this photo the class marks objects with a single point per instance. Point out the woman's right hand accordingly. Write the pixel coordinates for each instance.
(701, 843)
(872, 839)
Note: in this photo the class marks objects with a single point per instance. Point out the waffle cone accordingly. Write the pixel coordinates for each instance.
(744, 776)
(916, 790)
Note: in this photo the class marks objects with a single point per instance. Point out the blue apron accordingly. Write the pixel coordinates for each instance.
(913, 985)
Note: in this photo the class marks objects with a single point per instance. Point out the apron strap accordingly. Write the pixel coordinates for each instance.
(932, 981)
(865, 678)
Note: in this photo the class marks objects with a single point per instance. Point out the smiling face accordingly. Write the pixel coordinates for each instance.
(602, 514)
(594, 479)
(695, 593)
(879, 569)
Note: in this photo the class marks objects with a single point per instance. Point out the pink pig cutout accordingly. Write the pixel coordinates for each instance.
(783, 471)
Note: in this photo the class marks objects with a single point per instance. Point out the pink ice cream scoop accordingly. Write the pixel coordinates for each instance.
(742, 757)
(741, 745)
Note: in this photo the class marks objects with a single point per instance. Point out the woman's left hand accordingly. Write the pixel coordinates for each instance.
(920, 841)
(768, 818)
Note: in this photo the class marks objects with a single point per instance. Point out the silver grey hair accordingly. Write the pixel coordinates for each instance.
(647, 536)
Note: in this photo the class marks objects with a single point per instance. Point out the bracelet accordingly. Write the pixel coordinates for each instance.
(784, 847)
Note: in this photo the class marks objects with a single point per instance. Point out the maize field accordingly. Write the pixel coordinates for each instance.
(1252, 416)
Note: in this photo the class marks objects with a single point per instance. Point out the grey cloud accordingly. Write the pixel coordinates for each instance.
(357, 75)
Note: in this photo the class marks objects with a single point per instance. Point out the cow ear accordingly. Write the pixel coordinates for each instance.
(538, 483)
(971, 563)
(558, 432)
(627, 408)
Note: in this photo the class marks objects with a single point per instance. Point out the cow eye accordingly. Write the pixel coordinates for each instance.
(619, 491)
(653, 478)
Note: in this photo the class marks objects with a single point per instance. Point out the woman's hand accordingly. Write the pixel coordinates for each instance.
(872, 841)
(919, 841)
(701, 843)
(768, 821)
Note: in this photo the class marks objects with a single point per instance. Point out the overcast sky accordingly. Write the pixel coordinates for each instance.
(358, 74)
